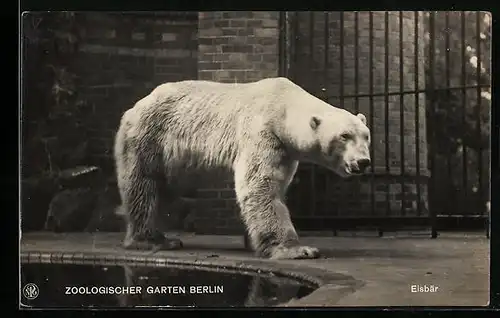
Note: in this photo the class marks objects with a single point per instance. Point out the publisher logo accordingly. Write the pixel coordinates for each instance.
(30, 291)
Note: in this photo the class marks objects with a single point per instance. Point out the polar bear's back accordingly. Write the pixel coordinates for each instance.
(206, 123)
(202, 96)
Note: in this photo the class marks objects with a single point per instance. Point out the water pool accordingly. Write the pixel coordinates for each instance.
(88, 285)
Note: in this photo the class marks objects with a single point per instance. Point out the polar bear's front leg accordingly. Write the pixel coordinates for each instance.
(259, 189)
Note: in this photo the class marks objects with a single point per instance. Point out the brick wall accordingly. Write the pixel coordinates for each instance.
(352, 198)
(122, 57)
(239, 46)
(234, 47)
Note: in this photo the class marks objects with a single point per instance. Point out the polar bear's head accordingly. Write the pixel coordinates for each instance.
(344, 142)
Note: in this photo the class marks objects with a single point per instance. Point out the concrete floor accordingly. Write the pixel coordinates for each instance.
(354, 271)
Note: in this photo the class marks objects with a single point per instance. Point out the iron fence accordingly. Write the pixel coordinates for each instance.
(428, 109)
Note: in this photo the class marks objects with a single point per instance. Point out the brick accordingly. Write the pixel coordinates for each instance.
(221, 23)
(231, 204)
(267, 41)
(237, 40)
(222, 57)
(262, 15)
(238, 74)
(138, 36)
(273, 58)
(237, 48)
(207, 194)
(253, 75)
(254, 23)
(225, 214)
(205, 75)
(229, 31)
(255, 57)
(266, 32)
(236, 14)
(238, 23)
(224, 194)
(221, 40)
(221, 75)
(208, 57)
(246, 32)
(109, 34)
(237, 57)
(270, 23)
(209, 65)
(205, 24)
(211, 32)
(168, 37)
(214, 204)
(209, 49)
(224, 77)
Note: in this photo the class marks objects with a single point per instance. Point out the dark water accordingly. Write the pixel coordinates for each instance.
(69, 285)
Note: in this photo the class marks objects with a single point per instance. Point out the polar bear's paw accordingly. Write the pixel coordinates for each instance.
(295, 252)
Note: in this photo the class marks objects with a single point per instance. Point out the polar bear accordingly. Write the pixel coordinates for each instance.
(260, 131)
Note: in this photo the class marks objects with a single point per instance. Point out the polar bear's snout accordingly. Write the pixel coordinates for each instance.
(361, 165)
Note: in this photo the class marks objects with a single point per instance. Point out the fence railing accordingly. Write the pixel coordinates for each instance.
(422, 79)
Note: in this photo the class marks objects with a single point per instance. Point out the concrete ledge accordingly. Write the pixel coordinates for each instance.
(324, 282)
(353, 271)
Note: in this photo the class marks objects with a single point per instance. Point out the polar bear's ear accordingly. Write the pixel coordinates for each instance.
(315, 121)
(362, 117)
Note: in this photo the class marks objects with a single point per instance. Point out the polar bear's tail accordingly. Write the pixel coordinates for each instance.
(120, 157)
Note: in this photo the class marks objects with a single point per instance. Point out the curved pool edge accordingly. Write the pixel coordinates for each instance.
(329, 287)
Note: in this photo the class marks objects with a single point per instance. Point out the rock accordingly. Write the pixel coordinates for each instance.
(36, 195)
(80, 176)
(108, 216)
(104, 218)
(71, 210)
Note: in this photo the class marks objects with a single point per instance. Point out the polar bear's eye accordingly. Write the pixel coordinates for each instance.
(345, 136)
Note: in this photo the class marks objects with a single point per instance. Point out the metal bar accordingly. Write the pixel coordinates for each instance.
(448, 94)
(341, 93)
(411, 92)
(401, 112)
(394, 223)
(325, 87)
(395, 178)
(382, 218)
(417, 112)
(327, 48)
(432, 40)
(356, 61)
(341, 200)
(282, 45)
(296, 37)
(312, 82)
(464, 114)
(372, 155)
(356, 72)
(478, 114)
(386, 89)
(311, 48)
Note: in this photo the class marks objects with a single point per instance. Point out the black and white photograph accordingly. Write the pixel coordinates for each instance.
(259, 159)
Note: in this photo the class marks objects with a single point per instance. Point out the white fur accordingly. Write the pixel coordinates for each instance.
(259, 130)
